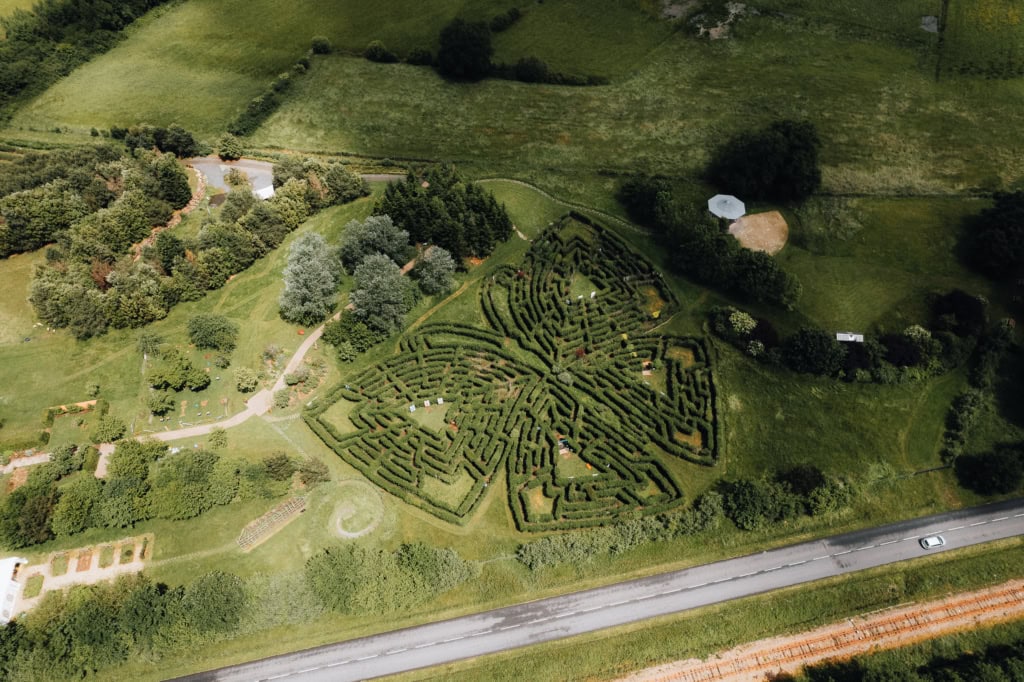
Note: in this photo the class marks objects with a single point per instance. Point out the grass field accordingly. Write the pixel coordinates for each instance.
(238, 51)
(888, 126)
(862, 71)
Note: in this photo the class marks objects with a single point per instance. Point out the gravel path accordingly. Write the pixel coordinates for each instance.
(888, 629)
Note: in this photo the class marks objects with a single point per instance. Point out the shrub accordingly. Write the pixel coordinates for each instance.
(299, 376)
(246, 380)
(639, 196)
(531, 70)
(108, 429)
(208, 330)
(279, 466)
(996, 473)
(229, 148)
(346, 352)
(218, 439)
(320, 45)
(420, 57)
(313, 472)
(813, 351)
(376, 52)
(282, 398)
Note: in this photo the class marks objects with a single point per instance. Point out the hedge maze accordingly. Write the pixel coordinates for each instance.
(575, 394)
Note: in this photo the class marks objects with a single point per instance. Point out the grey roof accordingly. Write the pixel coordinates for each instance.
(726, 206)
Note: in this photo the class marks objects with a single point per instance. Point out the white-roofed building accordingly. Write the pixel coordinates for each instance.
(849, 336)
(9, 587)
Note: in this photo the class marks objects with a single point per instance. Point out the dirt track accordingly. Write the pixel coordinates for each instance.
(889, 629)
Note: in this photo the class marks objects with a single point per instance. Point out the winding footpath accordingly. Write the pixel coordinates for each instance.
(257, 405)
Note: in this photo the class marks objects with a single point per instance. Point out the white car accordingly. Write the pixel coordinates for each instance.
(933, 541)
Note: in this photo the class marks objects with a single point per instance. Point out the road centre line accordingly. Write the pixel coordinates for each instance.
(1017, 516)
(890, 542)
(819, 558)
(337, 663)
(424, 646)
(909, 537)
(979, 523)
(395, 651)
(952, 529)
(861, 549)
(842, 553)
(455, 639)
(307, 670)
(1001, 518)
(366, 658)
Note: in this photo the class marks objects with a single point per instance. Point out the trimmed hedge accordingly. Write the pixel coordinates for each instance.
(582, 437)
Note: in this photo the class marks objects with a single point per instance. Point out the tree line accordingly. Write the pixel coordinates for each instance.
(48, 42)
(144, 481)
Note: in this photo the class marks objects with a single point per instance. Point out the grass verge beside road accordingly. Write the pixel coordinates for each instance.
(701, 633)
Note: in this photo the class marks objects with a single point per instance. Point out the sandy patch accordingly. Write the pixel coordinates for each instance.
(766, 232)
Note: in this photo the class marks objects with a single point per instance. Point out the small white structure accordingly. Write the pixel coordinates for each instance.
(264, 192)
(593, 294)
(426, 403)
(9, 587)
(440, 401)
(726, 206)
(412, 408)
(849, 336)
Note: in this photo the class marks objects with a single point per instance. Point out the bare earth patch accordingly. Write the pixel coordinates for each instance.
(680, 354)
(888, 629)
(766, 232)
(694, 439)
(17, 479)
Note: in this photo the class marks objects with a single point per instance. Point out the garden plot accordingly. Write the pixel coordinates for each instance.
(83, 566)
(553, 392)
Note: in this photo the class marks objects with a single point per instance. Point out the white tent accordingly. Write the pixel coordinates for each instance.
(726, 206)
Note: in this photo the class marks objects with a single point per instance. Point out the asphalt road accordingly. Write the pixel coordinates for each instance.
(572, 614)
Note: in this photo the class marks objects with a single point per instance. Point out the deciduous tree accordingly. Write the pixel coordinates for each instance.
(310, 280)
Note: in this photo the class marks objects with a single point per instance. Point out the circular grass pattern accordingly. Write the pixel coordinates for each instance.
(359, 512)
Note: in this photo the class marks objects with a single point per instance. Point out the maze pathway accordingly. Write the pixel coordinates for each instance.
(566, 388)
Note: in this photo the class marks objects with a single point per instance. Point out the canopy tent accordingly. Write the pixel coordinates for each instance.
(726, 206)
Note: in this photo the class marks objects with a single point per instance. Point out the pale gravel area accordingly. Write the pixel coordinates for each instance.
(888, 629)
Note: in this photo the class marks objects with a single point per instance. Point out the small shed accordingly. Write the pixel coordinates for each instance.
(849, 337)
(9, 587)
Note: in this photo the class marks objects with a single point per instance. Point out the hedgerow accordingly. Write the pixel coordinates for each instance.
(581, 433)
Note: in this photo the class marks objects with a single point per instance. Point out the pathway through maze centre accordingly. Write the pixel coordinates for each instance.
(571, 388)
